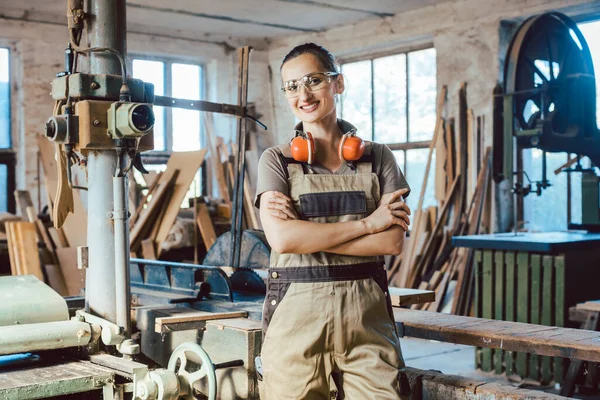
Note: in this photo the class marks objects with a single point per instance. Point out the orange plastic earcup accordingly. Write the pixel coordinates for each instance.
(351, 148)
(303, 149)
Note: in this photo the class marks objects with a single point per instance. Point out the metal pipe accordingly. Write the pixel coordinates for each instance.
(121, 224)
(44, 336)
(107, 29)
(100, 276)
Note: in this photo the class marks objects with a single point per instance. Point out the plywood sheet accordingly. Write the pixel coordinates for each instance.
(188, 164)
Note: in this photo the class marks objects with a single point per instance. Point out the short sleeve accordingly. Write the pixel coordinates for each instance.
(391, 177)
(271, 175)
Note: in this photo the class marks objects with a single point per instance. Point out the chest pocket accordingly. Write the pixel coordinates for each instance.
(330, 204)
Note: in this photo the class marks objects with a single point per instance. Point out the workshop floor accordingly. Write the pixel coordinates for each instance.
(454, 359)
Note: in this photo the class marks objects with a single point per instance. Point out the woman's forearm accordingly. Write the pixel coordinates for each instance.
(305, 237)
(388, 242)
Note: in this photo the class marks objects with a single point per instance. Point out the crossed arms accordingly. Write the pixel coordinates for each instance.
(380, 233)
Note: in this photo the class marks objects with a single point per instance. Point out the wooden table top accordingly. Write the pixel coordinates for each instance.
(403, 297)
(543, 340)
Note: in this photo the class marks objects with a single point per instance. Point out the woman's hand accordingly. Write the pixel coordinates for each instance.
(392, 211)
(282, 207)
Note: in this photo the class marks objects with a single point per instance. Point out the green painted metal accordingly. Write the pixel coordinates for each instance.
(507, 148)
(54, 380)
(547, 306)
(536, 293)
(522, 303)
(488, 302)
(589, 198)
(560, 309)
(509, 259)
(499, 269)
(24, 299)
(477, 297)
(45, 336)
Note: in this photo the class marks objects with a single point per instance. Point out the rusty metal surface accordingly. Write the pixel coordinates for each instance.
(53, 380)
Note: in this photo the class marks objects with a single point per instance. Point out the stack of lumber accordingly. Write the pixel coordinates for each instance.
(428, 260)
(37, 248)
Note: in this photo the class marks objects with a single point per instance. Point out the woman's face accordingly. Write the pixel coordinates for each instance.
(310, 106)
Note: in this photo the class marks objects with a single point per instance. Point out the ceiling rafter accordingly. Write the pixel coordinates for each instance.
(339, 8)
(219, 17)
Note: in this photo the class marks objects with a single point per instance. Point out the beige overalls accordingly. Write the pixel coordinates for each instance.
(329, 314)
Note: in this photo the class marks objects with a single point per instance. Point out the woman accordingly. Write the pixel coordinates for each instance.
(329, 213)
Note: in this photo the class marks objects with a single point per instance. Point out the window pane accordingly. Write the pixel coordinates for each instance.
(416, 161)
(356, 105)
(3, 188)
(591, 33)
(186, 123)
(547, 212)
(389, 81)
(422, 89)
(154, 72)
(4, 100)
(399, 155)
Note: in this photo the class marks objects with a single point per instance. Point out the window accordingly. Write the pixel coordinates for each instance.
(175, 129)
(391, 100)
(555, 199)
(7, 156)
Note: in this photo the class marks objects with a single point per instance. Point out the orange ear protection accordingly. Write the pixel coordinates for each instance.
(303, 147)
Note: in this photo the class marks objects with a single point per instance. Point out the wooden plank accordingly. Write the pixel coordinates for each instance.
(58, 239)
(187, 163)
(23, 199)
(73, 276)
(55, 279)
(535, 317)
(26, 249)
(440, 149)
(11, 237)
(514, 336)
(439, 224)
(403, 296)
(148, 251)
(144, 202)
(406, 266)
(161, 324)
(215, 159)
(591, 305)
(499, 270)
(510, 300)
(74, 228)
(148, 215)
(207, 230)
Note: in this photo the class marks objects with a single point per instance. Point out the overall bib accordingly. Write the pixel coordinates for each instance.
(330, 314)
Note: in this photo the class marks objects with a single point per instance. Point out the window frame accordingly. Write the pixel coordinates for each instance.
(396, 146)
(8, 156)
(162, 156)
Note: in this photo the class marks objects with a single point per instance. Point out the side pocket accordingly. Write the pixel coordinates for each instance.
(275, 293)
(382, 284)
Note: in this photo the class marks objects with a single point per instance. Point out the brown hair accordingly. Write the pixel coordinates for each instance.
(325, 58)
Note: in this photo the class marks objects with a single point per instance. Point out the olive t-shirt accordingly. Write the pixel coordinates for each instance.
(272, 174)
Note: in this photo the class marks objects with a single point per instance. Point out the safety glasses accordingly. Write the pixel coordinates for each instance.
(312, 82)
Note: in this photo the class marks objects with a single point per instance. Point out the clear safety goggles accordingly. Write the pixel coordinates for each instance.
(311, 82)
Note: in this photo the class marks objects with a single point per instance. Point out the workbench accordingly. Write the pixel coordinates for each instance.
(532, 278)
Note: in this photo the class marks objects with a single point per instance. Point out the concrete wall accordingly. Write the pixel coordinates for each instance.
(469, 43)
(37, 53)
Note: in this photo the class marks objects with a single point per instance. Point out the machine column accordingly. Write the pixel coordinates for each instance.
(106, 28)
